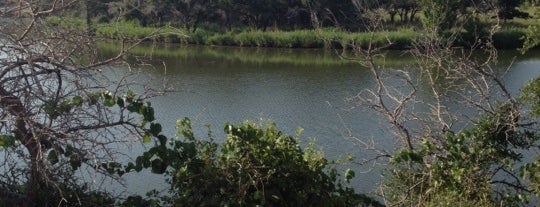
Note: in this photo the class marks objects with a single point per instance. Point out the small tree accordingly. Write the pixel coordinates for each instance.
(440, 15)
(474, 167)
(58, 116)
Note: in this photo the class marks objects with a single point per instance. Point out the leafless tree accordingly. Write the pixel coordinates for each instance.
(54, 115)
(461, 84)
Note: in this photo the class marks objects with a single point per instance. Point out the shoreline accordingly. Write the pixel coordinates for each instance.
(504, 39)
(327, 38)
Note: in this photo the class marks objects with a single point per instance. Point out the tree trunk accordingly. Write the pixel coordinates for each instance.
(13, 105)
(392, 16)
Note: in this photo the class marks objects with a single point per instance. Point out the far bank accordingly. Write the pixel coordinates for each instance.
(330, 38)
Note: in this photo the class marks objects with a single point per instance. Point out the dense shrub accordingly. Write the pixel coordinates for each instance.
(253, 166)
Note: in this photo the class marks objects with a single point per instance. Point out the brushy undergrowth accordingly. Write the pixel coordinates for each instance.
(508, 38)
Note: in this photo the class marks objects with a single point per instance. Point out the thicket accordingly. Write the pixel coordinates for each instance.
(254, 166)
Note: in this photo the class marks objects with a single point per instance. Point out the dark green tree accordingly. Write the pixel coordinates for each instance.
(507, 9)
(195, 12)
(406, 10)
(440, 15)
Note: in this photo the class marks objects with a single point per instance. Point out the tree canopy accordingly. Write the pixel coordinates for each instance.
(281, 14)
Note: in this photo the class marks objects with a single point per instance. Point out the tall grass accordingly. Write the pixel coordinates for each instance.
(402, 38)
(257, 38)
(325, 38)
(132, 30)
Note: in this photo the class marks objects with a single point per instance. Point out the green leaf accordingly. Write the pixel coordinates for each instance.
(147, 138)
(139, 164)
(155, 129)
(108, 99)
(7, 141)
(113, 167)
(162, 139)
(75, 163)
(349, 174)
(52, 157)
(77, 101)
(148, 112)
(158, 166)
(130, 167)
(134, 107)
(109, 102)
(65, 107)
(143, 123)
(51, 111)
(120, 102)
(407, 155)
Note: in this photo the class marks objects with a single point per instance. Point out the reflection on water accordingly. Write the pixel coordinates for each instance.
(243, 55)
(294, 88)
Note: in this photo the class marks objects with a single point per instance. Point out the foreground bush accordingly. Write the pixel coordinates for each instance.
(253, 166)
(489, 164)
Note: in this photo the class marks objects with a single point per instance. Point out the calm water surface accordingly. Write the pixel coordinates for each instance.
(294, 88)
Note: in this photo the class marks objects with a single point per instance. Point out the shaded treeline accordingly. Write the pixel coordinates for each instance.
(228, 14)
(221, 15)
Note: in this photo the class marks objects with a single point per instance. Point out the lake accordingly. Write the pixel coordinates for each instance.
(294, 88)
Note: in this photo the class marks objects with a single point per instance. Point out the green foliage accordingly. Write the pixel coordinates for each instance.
(66, 23)
(323, 38)
(58, 155)
(72, 195)
(327, 38)
(440, 15)
(53, 110)
(509, 38)
(287, 24)
(196, 14)
(7, 141)
(531, 38)
(463, 168)
(295, 39)
(133, 30)
(479, 166)
(531, 95)
(150, 200)
(254, 166)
